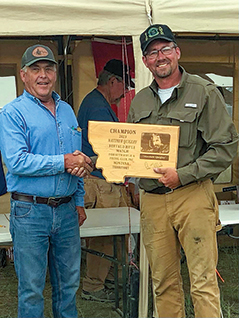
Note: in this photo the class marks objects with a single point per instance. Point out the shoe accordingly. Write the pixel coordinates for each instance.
(103, 295)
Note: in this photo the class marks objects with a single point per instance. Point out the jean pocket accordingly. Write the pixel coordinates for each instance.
(213, 203)
(20, 209)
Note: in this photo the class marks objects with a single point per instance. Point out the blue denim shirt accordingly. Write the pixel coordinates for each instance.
(33, 143)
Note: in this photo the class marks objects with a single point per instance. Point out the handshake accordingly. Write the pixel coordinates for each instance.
(78, 164)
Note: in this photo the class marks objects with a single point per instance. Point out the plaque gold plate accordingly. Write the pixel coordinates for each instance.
(133, 150)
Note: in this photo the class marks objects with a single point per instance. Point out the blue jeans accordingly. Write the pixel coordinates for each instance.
(43, 236)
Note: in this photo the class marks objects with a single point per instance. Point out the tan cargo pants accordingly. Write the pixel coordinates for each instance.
(100, 194)
(187, 217)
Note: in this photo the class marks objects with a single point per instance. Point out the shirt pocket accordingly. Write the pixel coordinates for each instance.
(187, 121)
(76, 139)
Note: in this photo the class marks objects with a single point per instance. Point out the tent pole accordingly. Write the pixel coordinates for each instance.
(61, 63)
(69, 87)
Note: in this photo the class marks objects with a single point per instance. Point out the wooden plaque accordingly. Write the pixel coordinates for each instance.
(133, 150)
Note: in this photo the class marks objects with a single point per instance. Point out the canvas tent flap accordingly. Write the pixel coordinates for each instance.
(59, 17)
(115, 17)
(205, 16)
(143, 76)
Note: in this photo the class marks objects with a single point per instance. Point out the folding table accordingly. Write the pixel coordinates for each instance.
(99, 222)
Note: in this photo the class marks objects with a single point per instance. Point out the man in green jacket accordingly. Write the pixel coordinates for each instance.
(179, 209)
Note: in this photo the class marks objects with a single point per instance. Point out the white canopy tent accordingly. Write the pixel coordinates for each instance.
(92, 17)
(212, 16)
(117, 17)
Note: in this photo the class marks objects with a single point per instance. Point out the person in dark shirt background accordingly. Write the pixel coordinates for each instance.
(3, 186)
(113, 83)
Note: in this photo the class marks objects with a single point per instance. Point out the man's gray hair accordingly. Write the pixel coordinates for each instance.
(24, 69)
(105, 76)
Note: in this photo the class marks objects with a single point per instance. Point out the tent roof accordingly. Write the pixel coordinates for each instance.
(115, 17)
(204, 16)
(59, 17)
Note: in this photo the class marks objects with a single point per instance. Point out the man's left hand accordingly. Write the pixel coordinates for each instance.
(81, 215)
(169, 177)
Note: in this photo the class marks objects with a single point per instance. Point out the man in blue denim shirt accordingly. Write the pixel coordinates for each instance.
(39, 135)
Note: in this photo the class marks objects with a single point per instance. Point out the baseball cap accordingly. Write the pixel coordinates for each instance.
(156, 32)
(115, 67)
(37, 53)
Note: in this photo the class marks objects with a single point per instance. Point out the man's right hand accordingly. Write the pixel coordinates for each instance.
(78, 164)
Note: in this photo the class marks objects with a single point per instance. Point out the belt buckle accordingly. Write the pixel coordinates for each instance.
(51, 201)
(171, 190)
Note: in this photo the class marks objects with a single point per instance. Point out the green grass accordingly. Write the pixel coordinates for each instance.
(228, 266)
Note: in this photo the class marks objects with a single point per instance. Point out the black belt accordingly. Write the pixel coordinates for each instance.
(164, 190)
(51, 201)
(160, 190)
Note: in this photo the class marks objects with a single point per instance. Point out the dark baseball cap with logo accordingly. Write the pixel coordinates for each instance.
(156, 32)
(37, 53)
(115, 67)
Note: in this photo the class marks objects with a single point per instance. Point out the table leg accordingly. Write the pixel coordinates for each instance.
(117, 262)
(124, 278)
(143, 281)
(116, 274)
